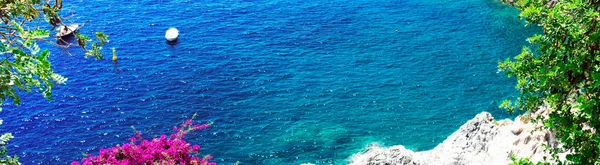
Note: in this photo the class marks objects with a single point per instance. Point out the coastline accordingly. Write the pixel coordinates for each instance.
(481, 140)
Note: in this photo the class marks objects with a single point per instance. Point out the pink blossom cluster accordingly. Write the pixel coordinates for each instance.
(158, 151)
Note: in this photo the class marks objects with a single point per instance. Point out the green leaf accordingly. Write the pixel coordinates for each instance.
(43, 56)
(38, 34)
(32, 46)
(94, 52)
(5, 138)
(102, 38)
(82, 37)
(3, 47)
(18, 27)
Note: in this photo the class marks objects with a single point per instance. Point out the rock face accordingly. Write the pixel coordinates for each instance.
(482, 140)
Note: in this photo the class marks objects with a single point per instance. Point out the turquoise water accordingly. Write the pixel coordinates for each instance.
(286, 82)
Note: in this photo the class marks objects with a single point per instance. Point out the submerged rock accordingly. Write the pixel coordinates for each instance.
(481, 140)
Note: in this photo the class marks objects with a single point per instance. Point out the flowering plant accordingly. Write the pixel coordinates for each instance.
(158, 151)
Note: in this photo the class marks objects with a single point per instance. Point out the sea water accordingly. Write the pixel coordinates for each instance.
(285, 82)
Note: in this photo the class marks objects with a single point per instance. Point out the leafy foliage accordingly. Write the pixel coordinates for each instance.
(525, 161)
(562, 71)
(25, 66)
(4, 157)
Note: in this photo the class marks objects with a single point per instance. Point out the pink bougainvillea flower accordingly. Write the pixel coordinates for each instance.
(164, 151)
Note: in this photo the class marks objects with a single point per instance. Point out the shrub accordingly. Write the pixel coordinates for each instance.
(158, 151)
(561, 69)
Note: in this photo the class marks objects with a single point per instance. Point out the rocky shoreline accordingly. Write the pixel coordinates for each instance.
(481, 140)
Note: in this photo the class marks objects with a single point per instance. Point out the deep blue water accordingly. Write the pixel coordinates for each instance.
(286, 82)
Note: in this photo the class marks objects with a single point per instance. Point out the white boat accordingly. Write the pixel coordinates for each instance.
(64, 31)
(172, 34)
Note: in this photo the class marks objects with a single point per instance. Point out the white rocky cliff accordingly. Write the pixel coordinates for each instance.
(482, 140)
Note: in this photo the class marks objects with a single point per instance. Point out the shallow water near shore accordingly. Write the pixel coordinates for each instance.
(286, 82)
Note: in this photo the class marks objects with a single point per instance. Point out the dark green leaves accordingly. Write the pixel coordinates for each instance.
(102, 38)
(94, 52)
(563, 72)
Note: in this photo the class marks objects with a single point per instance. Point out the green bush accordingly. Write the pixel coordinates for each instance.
(562, 71)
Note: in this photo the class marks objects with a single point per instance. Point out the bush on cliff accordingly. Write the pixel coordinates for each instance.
(563, 72)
